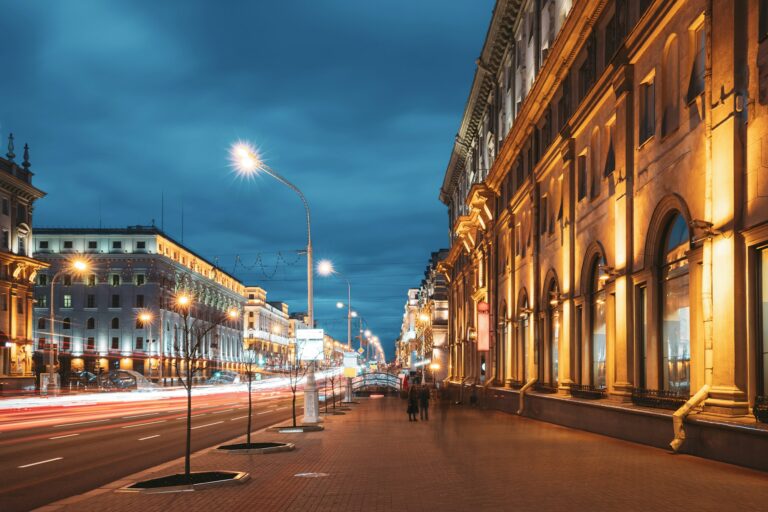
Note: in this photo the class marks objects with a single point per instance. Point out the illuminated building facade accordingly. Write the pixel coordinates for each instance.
(17, 271)
(267, 328)
(134, 270)
(432, 320)
(608, 201)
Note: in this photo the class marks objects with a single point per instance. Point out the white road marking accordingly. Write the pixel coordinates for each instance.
(79, 423)
(141, 415)
(225, 410)
(207, 425)
(238, 418)
(264, 412)
(62, 437)
(149, 437)
(142, 424)
(41, 462)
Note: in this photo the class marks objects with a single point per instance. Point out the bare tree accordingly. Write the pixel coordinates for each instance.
(332, 379)
(250, 359)
(297, 371)
(190, 349)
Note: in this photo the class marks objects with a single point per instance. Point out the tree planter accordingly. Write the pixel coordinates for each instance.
(257, 448)
(298, 429)
(180, 483)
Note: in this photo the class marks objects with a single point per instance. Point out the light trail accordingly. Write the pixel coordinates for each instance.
(207, 425)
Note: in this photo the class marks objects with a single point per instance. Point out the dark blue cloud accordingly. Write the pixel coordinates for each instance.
(355, 102)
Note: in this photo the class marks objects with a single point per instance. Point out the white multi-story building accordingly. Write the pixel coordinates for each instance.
(131, 271)
(267, 328)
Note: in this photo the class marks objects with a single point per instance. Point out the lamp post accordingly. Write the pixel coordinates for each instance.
(146, 321)
(77, 266)
(247, 161)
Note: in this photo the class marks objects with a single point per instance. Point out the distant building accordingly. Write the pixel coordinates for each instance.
(267, 328)
(17, 270)
(433, 314)
(407, 345)
(133, 270)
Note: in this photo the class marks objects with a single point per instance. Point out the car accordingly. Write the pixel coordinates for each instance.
(82, 379)
(123, 380)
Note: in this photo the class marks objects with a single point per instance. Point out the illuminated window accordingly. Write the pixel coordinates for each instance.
(598, 335)
(762, 317)
(675, 308)
(67, 301)
(647, 110)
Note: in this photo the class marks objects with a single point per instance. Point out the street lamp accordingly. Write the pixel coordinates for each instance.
(145, 317)
(77, 266)
(247, 162)
(325, 268)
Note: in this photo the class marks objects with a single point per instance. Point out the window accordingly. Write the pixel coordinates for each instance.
(543, 215)
(92, 245)
(139, 301)
(594, 167)
(698, 66)
(582, 178)
(90, 300)
(117, 245)
(6, 239)
(20, 305)
(6, 206)
(90, 324)
(598, 340)
(610, 158)
(647, 110)
(115, 343)
(21, 213)
(66, 280)
(67, 300)
(43, 244)
(139, 343)
(141, 245)
(675, 308)
(642, 334)
(42, 279)
(41, 323)
(670, 91)
(762, 317)
(250, 325)
(42, 302)
(553, 334)
(115, 301)
(762, 23)
(114, 279)
(115, 323)
(42, 342)
(90, 344)
(67, 244)
(91, 281)
(65, 343)
(140, 279)
(66, 324)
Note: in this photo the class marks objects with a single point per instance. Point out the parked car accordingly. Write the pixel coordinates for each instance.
(82, 380)
(225, 377)
(123, 380)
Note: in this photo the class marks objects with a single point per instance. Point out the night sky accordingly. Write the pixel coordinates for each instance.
(356, 102)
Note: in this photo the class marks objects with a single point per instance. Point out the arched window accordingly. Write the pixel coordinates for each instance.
(66, 324)
(90, 323)
(41, 323)
(675, 307)
(670, 87)
(115, 323)
(597, 326)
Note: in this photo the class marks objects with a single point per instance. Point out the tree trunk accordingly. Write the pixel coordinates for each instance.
(248, 434)
(294, 407)
(333, 392)
(188, 453)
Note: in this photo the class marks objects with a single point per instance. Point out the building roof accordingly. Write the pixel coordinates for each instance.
(130, 230)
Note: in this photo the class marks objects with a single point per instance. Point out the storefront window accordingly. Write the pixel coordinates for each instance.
(676, 311)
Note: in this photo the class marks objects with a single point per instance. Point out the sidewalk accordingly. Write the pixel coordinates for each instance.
(462, 459)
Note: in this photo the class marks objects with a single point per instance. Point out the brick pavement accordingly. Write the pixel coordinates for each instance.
(462, 459)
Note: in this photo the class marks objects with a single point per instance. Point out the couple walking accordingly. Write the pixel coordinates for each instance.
(418, 402)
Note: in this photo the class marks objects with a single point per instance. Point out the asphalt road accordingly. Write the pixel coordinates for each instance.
(50, 453)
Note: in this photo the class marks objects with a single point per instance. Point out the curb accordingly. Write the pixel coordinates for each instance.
(240, 478)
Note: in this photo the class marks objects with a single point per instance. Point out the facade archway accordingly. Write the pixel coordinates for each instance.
(521, 336)
(551, 328)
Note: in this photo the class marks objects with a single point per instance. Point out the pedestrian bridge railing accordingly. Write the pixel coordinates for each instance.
(375, 380)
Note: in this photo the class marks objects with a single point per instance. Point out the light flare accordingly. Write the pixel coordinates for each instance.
(245, 158)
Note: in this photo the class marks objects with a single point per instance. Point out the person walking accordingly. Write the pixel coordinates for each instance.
(413, 403)
(424, 402)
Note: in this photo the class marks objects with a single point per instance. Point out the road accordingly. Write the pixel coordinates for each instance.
(50, 453)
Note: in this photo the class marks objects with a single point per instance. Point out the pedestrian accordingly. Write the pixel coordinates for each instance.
(473, 396)
(413, 403)
(424, 402)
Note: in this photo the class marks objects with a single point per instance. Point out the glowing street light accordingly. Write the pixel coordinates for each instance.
(325, 268)
(368, 333)
(339, 305)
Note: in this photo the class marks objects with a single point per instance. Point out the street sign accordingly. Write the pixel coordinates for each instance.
(310, 344)
(360, 350)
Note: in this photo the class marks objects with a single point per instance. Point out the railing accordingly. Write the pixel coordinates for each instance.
(516, 384)
(659, 398)
(381, 380)
(543, 387)
(587, 391)
(760, 410)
